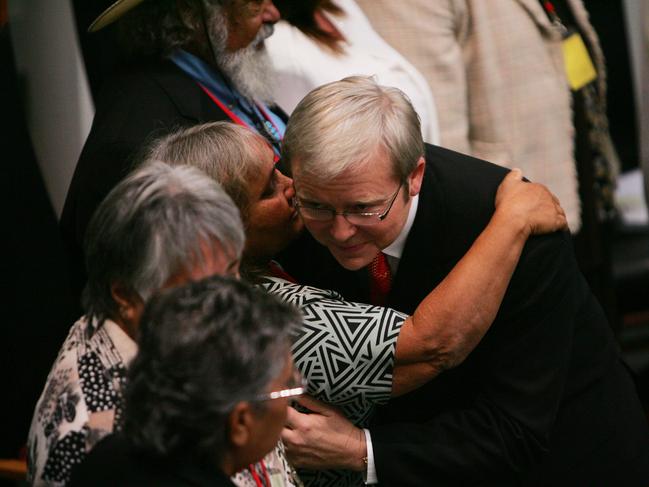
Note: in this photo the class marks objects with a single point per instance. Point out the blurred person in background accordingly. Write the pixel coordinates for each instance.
(318, 41)
(191, 61)
(522, 82)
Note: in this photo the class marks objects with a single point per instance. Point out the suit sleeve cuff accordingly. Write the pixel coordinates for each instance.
(370, 476)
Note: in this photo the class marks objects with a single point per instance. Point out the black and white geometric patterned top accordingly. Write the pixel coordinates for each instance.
(346, 351)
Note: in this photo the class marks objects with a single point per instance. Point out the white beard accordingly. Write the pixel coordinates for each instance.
(249, 69)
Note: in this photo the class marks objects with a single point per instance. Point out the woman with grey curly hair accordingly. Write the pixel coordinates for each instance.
(160, 227)
(208, 390)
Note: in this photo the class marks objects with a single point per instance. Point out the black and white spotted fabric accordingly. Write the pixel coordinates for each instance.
(346, 351)
(81, 402)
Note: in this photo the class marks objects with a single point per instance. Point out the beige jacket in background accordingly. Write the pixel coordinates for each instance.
(496, 70)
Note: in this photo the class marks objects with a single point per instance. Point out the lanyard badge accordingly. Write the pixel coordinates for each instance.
(579, 67)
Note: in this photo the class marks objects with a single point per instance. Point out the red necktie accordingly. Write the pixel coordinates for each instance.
(380, 279)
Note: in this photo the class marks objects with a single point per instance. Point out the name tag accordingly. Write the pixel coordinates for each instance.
(579, 67)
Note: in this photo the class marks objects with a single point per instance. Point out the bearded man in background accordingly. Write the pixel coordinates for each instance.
(190, 61)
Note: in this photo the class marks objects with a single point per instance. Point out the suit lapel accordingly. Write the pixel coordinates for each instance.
(420, 264)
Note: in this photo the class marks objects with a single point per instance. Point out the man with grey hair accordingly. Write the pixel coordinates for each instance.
(193, 61)
(160, 227)
(544, 399)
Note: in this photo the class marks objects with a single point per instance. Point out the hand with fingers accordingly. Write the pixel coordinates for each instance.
(530, 204)
(323, 438)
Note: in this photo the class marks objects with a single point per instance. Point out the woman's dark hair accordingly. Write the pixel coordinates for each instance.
(203, 348)
(301, 14)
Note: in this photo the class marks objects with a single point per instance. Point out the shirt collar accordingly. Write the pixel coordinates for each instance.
(395, 249)
(124, 344)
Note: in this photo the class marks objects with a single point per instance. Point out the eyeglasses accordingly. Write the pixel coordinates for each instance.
(297, 386)
(358, 218)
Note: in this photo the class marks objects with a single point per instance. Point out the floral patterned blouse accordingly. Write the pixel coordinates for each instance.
(82, 402)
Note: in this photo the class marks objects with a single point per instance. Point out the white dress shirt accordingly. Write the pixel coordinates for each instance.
(393, 253)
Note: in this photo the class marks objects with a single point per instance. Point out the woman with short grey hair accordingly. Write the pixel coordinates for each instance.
(208, 391)
(160, 227)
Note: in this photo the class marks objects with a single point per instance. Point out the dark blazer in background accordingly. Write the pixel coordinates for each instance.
(543, 400)
(132, 109)
(101, 50)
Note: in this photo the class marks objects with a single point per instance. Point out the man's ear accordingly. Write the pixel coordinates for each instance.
(416, 177)
(240, 424)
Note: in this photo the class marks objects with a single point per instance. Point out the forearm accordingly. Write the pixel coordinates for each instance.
(453, 318)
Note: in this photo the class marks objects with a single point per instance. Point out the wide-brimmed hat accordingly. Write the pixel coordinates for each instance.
(112, 13)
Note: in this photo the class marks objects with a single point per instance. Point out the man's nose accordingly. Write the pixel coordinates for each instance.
(270, 14)
(341, 230)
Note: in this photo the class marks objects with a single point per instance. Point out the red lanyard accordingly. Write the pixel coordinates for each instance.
(552, 13)
(234, 117)
(549, 7)
(222, 106)
(255, 475)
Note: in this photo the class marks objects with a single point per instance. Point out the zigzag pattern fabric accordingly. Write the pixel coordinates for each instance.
(346, 351)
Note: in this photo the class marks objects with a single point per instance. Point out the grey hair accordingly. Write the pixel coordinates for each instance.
(203, 348)
(228, 153)
(343, 125)
(152, 225)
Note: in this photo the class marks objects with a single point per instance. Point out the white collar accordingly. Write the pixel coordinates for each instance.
(124, 344)
(395, 249)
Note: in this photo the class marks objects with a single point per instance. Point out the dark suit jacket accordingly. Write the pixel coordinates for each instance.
(133, 108)
(543, 400)
(114, 462)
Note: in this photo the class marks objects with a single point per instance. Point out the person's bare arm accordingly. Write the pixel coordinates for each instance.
(454, 317)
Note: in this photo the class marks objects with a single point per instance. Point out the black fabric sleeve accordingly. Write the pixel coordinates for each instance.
(521, 371)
